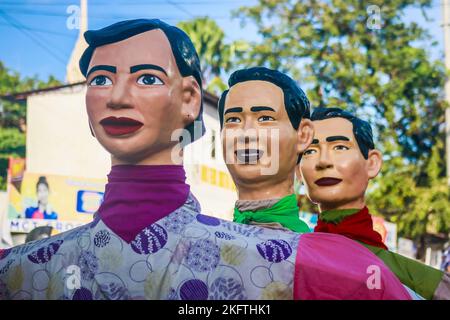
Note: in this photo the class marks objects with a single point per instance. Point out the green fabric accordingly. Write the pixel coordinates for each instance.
(284, 212)
(417, 276)
(336, 216)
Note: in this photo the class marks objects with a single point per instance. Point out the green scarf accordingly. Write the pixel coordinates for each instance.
(336, 216)
(284, 212)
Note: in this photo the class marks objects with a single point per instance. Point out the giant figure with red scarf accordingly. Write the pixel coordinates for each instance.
(149, 239)
(336, 169)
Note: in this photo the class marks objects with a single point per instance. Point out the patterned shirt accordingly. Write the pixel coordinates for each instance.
(187, 255)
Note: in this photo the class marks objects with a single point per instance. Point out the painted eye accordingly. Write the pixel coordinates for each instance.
(148, 80)
(341, 147)
(100, 81)
(265, 118)
(309, 151)
(233, 120)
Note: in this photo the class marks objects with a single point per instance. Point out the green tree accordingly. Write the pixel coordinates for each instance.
(364, 57)
(13, 115)
(216, 56)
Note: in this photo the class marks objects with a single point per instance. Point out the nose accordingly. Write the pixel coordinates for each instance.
(324, 161)
(250, 131)
(120, 96)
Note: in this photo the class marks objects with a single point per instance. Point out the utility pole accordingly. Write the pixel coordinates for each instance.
(446, 26)
(73, 73)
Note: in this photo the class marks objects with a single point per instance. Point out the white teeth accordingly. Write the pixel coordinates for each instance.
(248, 156)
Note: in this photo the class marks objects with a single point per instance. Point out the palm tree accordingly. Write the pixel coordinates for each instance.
(216, 56)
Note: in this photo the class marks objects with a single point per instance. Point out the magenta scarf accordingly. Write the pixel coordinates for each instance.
(137, 196)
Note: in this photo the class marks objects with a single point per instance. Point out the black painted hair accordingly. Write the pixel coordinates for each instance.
(295, 100)
(361, 129)
(42, 180)
(38, 233)
(183, 50)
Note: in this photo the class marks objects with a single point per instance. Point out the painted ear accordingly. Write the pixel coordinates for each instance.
(90, 128)
(305, 134)
(192, 99)
(374, 163)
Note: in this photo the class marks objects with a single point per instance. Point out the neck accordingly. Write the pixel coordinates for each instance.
(265, 190)
(168, 156)
(355, 204)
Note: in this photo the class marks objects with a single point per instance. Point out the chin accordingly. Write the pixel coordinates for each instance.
(131, 153)
(249, 174)
(326, 199)
(127, 146)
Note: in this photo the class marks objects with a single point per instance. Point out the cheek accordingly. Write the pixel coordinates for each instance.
(157, 105)
(95, 102)
(282, 140)
(307, 172)
(353, 171)
(230, 139)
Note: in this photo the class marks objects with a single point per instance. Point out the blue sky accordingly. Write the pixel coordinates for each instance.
(44, 21)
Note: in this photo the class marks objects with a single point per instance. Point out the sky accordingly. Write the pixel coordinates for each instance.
(35, 39)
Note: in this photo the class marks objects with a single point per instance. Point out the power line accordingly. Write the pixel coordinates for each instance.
(19, 26)
(128, 3)
(40, 30)
(107, 16)
(176, 5)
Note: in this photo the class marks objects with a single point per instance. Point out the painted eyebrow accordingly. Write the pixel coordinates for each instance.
(261, 108)
(337, 138)
(105, 67)
(237, 109)
(315, 141)
(139, 67)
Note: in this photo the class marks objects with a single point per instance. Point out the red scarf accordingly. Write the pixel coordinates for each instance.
(357, 226)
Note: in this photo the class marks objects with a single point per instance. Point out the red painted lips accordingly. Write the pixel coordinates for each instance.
(324, 182)
(120, 126)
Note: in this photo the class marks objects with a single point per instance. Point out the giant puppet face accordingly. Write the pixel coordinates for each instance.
(260, 145)
(136, 98)
(333, 169)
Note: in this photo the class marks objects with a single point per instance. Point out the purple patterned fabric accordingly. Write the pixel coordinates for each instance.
(274, 250)
(194, 290)
(44, 254)
(82, 294)
(150, 240)
(227, 289)
(208, 220)
(137, 196)
(203, 256)
(181, 257)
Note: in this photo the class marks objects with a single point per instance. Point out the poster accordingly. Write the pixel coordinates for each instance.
(59, 201)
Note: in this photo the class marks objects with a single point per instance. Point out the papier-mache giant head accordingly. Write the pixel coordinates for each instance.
(265, 126)
(144, 84)
(337, 166)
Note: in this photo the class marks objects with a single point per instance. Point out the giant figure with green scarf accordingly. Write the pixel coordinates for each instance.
(336, 169)
(263, 134)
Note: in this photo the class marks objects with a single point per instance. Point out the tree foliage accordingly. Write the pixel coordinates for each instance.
(216, 56)
(13, 115)
(386, 75)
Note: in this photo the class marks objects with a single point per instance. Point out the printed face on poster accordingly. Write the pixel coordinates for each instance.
(59, 201)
